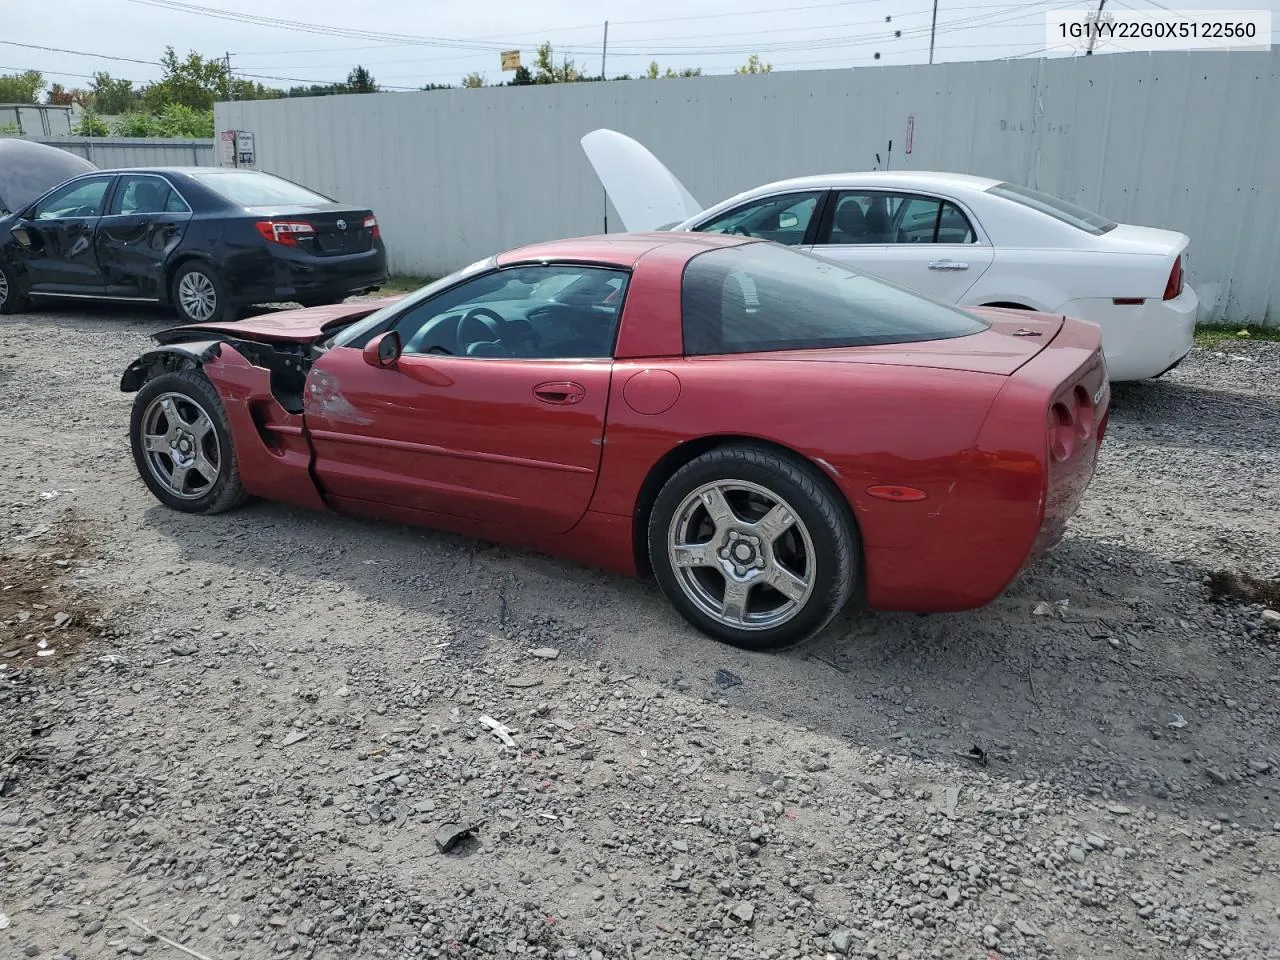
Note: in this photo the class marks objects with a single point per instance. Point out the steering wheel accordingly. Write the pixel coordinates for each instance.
(741, 230)
(478, 324)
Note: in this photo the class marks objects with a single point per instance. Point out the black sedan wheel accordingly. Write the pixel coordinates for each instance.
(182, 445)
(10, 300)
(753, 547)
(199, 295)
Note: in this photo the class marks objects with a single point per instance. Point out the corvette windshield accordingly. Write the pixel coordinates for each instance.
(761, 297)
(355, 333)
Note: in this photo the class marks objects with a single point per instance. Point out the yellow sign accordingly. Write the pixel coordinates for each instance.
(510, 60)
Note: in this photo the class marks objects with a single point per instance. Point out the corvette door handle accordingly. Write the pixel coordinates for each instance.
(947, 265)
(560, 393)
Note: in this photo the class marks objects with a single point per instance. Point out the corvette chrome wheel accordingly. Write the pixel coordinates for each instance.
(741, 554)
(197, 296)
(181, 446)
(4, 289)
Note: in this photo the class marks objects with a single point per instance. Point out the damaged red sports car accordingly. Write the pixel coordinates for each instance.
(765, 431)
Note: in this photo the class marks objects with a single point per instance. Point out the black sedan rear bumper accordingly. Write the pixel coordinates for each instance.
(285, 275)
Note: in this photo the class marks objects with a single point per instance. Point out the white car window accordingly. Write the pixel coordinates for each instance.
(783, 219)
(1055, 207)
(876, 217)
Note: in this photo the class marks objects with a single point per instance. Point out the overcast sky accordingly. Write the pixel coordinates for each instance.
(409, 43)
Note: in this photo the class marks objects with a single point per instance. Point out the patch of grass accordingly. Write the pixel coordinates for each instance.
(404, 283)
(1216, 334)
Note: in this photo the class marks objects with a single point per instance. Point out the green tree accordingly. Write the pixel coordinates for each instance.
(547, 71)
(317, 90)
(135, 125)
(360, 80)
(252, 90)
(655, 73)
(60, 96)
(474, 80)
(111, 96)
(522, 78)
(21, 87)
(753, 65)
(193, 82)
(91, 125)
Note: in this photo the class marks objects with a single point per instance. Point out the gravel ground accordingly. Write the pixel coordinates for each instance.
(256, 731)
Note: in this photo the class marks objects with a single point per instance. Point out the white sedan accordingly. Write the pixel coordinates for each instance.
(968, 240)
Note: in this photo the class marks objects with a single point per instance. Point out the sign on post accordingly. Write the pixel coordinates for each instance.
(227, 144)
(510, 60)
(244, 148)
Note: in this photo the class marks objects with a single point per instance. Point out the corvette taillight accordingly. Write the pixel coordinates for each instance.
(1070, 423)
(1173, 289)
(1062, 433)
(285, 232)
(371, 224)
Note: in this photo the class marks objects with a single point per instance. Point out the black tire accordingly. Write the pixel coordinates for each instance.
(205, 277)
(818, 514)
(11, 301)
(226, 491)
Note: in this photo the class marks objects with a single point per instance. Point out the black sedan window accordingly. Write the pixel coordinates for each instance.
(143, 193)
(252, 188)
(80, 199)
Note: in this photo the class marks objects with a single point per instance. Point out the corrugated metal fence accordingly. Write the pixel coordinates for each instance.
(1182, 141)
(109, 152)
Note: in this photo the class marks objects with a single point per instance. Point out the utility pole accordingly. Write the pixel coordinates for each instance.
(1093, 32)
(231, 87)
(604, 53)
(933, 29)
(604, 78)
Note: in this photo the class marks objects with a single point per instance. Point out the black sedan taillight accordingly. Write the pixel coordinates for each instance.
(285, 232)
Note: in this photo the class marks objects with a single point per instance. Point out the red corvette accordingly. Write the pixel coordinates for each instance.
(764, 430)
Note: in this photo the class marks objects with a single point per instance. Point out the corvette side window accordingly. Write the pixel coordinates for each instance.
(783, 219)
(557, 311)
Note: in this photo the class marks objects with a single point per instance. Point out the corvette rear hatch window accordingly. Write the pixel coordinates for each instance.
(761, 297)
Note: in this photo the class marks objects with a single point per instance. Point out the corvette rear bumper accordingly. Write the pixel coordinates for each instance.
(1015, 492)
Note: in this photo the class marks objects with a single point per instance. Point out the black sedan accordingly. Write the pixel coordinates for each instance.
(206, 240)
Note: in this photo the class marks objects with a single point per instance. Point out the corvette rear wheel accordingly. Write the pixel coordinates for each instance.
(182, 445)
(752, 547)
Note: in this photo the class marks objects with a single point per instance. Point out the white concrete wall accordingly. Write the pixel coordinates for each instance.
(1183, 141)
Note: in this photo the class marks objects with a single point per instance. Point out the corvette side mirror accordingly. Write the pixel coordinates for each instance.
(383, 350)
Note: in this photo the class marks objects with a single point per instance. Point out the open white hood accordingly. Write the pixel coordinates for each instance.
(646, 194)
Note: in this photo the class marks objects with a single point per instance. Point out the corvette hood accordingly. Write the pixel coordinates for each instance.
(646, 194)
(287, 326)
(1015, 336)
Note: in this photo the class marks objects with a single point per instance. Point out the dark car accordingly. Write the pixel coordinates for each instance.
(205, 240)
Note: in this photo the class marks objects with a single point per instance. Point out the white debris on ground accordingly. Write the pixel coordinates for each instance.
(266, 746)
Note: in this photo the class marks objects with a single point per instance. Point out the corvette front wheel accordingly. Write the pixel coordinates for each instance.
(182, 444)
(753, 547)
